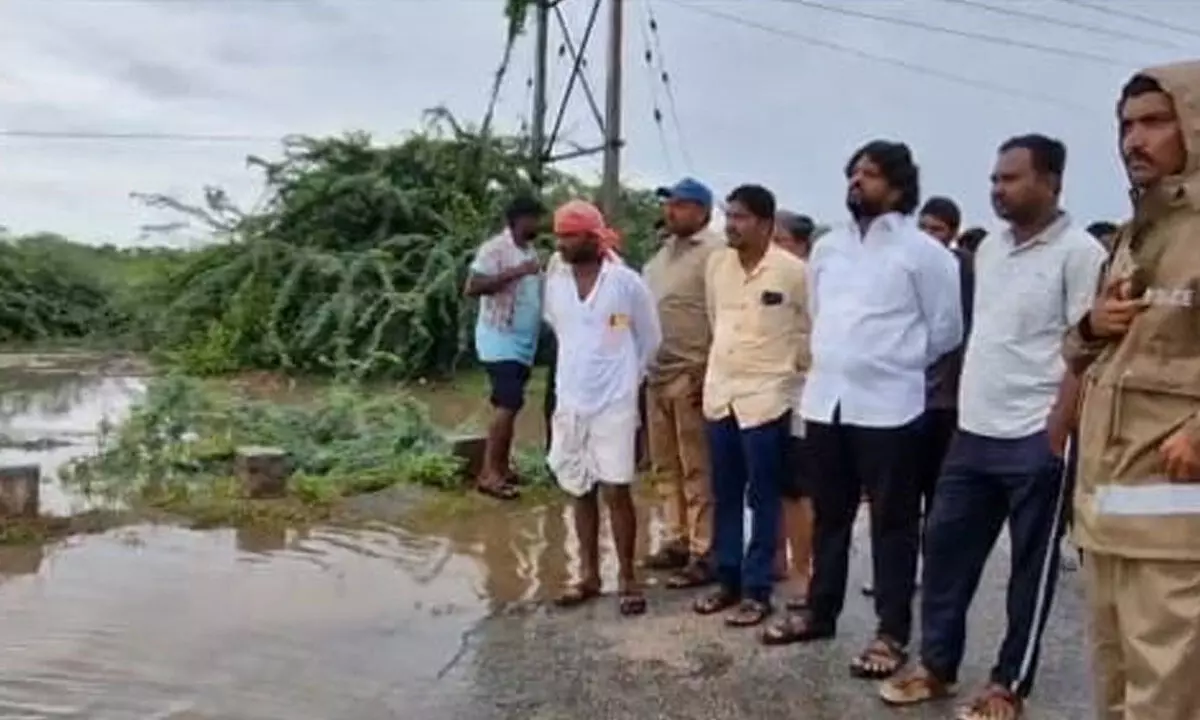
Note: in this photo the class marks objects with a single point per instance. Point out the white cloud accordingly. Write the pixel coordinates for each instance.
(753, 106)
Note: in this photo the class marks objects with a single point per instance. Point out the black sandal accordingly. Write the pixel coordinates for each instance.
(748, 613)
(631, 603)
(499, 491)
(881, 660)
(716, 602)
(795, 627)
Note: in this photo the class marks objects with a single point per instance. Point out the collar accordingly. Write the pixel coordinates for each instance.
(888, 222)
(1049, 234)
(768, 258)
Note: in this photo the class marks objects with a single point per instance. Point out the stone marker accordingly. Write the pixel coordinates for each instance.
(20, 490)
(263, 471)
(469, 449)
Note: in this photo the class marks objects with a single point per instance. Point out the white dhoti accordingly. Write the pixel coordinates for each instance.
(599, 447)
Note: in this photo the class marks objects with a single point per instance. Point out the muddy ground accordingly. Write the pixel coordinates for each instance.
(441, 617)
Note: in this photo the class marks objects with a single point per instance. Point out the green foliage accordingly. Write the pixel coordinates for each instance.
(52, 289)
(355, 265)
(176, 450)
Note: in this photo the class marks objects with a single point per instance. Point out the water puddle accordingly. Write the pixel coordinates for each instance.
(163, 622)
(52, 409)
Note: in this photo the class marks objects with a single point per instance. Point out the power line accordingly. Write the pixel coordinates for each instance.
(884, 59)
(982, 37)
(1124, 15)
(648, 57)
(652, 21)
(135, 136)
(1084, 27)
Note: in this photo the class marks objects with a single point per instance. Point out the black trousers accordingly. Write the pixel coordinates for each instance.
(937, 429)
(987, 483)
(846, 460)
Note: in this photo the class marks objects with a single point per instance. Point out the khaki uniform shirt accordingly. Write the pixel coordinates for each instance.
(675, 275)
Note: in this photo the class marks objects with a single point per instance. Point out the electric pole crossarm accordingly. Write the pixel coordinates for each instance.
(577, 56)
(577, 153)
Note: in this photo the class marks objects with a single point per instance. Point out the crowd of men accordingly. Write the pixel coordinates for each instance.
(1038, 375)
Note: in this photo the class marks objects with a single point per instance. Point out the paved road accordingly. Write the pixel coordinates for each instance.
(542, 664)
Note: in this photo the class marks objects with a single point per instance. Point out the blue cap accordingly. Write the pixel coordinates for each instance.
(687, 190)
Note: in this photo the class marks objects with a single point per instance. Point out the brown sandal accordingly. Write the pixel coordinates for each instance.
(882, 659)
(994, 703)
(748, 613)
(915, 685)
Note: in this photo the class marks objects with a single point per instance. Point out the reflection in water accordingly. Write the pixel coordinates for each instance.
(60, 414)
(330, 623)
(156, 622)
(176, 623)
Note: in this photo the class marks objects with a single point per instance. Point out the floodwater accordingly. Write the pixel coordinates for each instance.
(163, 622)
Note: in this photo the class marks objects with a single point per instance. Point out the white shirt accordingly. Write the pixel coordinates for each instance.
(605, 341)
(1026, 297)
(885, 306)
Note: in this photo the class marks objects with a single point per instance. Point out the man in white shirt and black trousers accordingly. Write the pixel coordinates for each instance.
(885, 304)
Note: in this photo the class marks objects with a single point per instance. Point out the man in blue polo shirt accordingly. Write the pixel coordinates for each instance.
(506, 277)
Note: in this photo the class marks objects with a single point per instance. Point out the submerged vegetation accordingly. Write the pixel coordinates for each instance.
(175, 453)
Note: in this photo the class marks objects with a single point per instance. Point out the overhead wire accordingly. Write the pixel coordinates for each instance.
(945, 75)
(967, 34)
(648, 58)
(1100, 30)
(136, 136)
(665, 77)
(1106, 9)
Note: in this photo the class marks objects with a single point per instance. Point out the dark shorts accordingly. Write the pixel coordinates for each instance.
(797, 470)
(508, 379)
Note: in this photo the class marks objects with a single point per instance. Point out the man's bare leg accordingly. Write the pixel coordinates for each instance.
(586, 510)
(798, 529)
(623, 520)
(497, 453)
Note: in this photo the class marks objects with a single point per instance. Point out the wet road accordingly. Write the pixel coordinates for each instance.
(429, 621)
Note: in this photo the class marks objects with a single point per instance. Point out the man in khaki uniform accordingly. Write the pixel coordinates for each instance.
(674, 418)
(1137, 502)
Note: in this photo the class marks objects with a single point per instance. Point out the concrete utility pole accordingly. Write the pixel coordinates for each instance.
(610, 187)
(537, 133)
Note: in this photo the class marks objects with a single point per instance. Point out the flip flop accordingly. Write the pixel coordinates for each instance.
(499, 492)
(631, 603)
(748, 613)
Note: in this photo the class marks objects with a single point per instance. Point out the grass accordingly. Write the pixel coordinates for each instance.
(173, 458)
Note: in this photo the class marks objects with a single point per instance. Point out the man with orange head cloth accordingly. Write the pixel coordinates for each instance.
(607, 328)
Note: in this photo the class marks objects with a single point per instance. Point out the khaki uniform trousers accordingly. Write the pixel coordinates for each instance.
(1145, 637)
(679, 460)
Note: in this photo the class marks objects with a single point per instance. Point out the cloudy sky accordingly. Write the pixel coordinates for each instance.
(770, 91)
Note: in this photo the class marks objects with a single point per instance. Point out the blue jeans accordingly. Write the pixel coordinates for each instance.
(747, 467)
(985, 483)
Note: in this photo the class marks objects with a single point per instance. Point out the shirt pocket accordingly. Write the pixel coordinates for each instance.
(615, 331)
(1040, 302)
